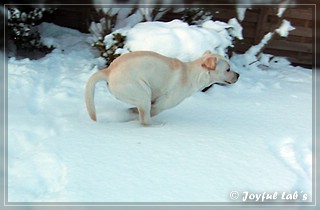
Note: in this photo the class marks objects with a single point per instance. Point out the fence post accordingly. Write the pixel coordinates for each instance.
(262, 20)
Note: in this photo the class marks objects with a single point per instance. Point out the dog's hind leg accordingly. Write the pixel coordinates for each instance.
(144, 113)
(137, 94)
(134, 110)
(162, 103)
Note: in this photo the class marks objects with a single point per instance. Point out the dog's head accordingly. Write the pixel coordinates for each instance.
(218, 68)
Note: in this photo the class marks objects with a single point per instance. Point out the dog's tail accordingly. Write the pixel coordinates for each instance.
(89, 92)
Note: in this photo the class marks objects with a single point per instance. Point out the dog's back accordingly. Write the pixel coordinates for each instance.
(145, 66)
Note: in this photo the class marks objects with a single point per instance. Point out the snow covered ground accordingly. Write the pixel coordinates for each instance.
(254, 136)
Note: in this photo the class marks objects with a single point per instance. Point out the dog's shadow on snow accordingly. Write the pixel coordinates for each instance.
(183, 114)
(117, 116)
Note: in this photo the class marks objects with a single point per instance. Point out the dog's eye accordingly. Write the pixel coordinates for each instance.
(228, 70)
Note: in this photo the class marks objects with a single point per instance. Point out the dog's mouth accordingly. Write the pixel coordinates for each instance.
(224, 83)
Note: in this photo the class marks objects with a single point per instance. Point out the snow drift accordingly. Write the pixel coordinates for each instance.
(255, 135)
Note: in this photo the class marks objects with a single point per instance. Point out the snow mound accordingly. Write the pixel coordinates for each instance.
(60, 37)
(178, 39)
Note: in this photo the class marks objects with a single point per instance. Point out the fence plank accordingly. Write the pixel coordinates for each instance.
(290, 46)
(304, 14)
(299, 31)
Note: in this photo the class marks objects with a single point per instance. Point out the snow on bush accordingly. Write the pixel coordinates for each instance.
(110, 48)
(180, 40)
(195, 16)
(121, 21)
(114, 19)
(176, 38)
(21, 29)
(184, 39)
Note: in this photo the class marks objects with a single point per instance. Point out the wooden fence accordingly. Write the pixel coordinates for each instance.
(298, 47)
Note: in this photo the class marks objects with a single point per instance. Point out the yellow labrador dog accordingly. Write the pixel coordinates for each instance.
(153, 83)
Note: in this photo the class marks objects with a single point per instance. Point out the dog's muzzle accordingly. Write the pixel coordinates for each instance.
(234, 79)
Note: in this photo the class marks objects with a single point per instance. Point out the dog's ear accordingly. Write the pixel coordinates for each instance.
(210, 63)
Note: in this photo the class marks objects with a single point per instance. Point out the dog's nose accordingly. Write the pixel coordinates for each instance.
(237, 75)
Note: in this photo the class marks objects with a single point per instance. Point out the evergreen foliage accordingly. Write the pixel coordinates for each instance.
(195, 16)
(21, 31)
(109, 53)
(115, 18)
